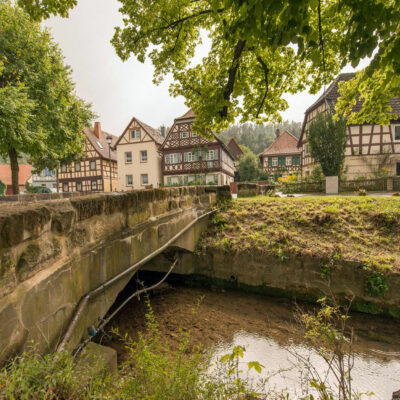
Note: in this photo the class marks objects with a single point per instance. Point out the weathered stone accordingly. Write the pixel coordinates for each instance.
(98, 356)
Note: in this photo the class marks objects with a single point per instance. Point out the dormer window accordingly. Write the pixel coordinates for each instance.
(99, 144)
(135, 134)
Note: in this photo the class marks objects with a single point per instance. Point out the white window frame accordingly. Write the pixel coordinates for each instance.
(184, 134)
(63, 168)
(212, 155)
(126, 157)
(274, 161)
(77, 169)
(394, 132)
(79, 183)
(143, 153)
(93, 183)
(141, 179)
(90, 165)
(190, 156)
(289, 161)
(194, 134)
(172, 158)
(127, 181)
(135, 134)
(65, 185)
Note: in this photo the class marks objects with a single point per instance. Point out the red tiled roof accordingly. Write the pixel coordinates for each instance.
(188, 114)
(103, 149)
(25, 172)
(234, 148)
(286, 143)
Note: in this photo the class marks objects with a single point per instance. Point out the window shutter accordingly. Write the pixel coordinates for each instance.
(269, 161)
(281, 161)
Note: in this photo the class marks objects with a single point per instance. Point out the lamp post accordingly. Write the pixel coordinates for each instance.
(109, 141)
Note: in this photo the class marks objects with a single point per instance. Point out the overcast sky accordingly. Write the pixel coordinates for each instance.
(119, 90)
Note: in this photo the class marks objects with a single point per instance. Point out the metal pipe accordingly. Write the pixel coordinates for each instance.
(85, 299)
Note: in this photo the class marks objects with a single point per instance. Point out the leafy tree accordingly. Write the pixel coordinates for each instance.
(40, 115)
(327, 139)
(249, 169)
(3, 188)
(260, 50)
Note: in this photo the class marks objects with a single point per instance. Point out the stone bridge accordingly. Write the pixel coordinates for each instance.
(53, 253)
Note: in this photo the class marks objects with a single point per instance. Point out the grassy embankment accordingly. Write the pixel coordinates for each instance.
(361, 229)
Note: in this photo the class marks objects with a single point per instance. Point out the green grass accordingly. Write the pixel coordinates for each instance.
(361, 229)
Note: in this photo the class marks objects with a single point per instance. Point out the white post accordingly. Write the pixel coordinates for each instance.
(331, 184)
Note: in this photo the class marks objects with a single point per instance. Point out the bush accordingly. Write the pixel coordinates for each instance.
(3, 188)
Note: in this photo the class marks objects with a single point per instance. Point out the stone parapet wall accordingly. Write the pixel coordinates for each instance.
(53, 253)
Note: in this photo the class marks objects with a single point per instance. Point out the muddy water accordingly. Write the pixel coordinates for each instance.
(267, 329)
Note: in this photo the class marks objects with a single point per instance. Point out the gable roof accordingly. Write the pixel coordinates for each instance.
(153, 133)
(25, 172)
(189, 116)
(331, 95)
(102, 150)
(234, 148)
(285, 143)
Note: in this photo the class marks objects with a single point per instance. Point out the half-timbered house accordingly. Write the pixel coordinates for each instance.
(370, 147)
(139, 162)
(96, 171)
(282, 157)
(188, 157)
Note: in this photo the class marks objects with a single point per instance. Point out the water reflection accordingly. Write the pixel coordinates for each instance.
(370, 374)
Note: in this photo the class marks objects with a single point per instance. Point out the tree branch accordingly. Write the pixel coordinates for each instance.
(232, 75)
(266, 71)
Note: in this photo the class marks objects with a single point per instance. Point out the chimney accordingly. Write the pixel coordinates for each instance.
(97, 129)
(277, 133)
(162, 129)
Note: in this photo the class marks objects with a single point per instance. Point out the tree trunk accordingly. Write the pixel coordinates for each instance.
(12, 153)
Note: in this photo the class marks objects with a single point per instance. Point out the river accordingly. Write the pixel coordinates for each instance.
(266, 327)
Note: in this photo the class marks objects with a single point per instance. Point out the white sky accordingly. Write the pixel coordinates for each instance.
(119, 90)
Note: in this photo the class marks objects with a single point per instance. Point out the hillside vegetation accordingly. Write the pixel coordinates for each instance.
(363, 229)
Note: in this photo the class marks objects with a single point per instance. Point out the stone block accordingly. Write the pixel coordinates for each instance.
(332, 185)
(98, 357)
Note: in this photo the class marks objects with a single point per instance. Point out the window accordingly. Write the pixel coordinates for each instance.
(65, 187)
(306, 148)
(128, 157)
(144, 178)
(190, 156)
(296, 160)
(143, 156)
(93, 165)
(129, 180)
(397, 133)
(63, 168)
(94, 185)
(281, 161)
(77, 166)
(210, 164)
(99, 144)
(211, 179)
(173, 158)
(288, 161)
(269, 161)
(79, 186)
(135, 134)
(184, 134)
(274, 162)
(174, 180)
(212, 155)
(194, 134)
(398, 168)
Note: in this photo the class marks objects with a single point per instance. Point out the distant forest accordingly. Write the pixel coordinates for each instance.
(258, 137)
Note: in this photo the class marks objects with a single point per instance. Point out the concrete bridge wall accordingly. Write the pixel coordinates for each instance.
(53, 253)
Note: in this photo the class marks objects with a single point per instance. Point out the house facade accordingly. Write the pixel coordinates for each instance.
(188, 157)
(96, 171)
(46, 178)
(282, 157)
(370, 147)
(138, 159)
(24, 175)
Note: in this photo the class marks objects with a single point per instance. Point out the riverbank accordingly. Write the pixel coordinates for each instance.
(265, 326)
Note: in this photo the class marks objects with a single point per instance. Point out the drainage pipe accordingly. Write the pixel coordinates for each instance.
(84, 300)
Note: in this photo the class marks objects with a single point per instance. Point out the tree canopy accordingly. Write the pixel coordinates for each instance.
(260, 50)
(327, 139)
(40, 114)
